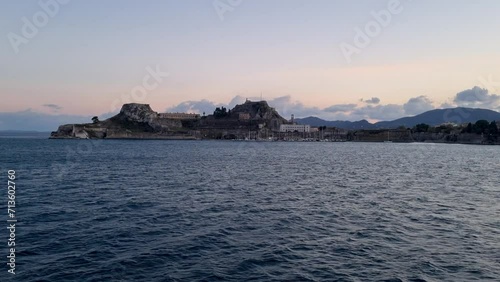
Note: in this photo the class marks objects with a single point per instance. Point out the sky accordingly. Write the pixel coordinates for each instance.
(64, 61)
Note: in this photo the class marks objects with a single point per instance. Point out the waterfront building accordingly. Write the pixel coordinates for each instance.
(295, 127)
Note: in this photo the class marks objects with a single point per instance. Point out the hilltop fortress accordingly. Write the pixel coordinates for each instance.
(259, 121)
(139, 121)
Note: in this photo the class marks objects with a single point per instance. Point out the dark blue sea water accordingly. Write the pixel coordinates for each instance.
(252, 211)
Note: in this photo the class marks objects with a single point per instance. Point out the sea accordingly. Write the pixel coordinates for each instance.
(156, 210)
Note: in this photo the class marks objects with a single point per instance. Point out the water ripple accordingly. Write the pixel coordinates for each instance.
(217, 211)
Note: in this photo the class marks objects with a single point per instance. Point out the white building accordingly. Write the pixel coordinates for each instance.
(295, 127)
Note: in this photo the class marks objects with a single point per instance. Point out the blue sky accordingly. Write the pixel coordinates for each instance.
(92, 56)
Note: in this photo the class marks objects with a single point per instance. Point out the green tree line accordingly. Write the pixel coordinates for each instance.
(479, 127)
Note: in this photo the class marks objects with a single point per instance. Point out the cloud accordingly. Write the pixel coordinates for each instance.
(286, 106)
(477, 97)
(195, 107)
(447, 105)
(239, 100)
(379, 112)
(373, 100)
(341, 108)
(476, 94)
(283, 104)
(53, 107)
(370, 110)
(418, 105)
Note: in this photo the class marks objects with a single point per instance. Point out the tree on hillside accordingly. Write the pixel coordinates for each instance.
(220, 112)
(401, 127)
(493, 128)
(468, 128)
(481, 126)
(421, 127)
(444, 128)
(95, 119)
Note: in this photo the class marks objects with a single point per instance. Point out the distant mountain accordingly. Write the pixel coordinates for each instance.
(30, 120)
(433, 117)
(23, 134)
(315, 121)
(437, 117)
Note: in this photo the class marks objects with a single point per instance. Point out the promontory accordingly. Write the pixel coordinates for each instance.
(139, 121)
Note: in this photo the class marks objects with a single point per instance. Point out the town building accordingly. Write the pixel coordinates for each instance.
(295, 127)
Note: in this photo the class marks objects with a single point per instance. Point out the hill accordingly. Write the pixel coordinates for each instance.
(315, 121)
(432, 117)
(139, 121)
(440, 116)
